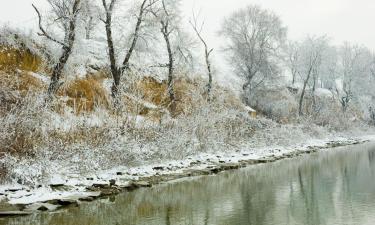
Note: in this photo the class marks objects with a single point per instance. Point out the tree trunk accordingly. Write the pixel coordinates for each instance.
(170, 65)
(294, 77)
(112, 56)
(300, 111)
(125, 64)
(57, 71)
(88, 28)
(67, 50)
(208, 63)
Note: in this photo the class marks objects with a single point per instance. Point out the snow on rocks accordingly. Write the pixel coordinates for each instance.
(71, 189)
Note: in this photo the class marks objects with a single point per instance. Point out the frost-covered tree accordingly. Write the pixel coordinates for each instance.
(116, 69)
(167, 14)
(292, 59)
(90, 15)
(65, 11)
(311, 58)
(354, 62)
(198, 29)
(254, 37)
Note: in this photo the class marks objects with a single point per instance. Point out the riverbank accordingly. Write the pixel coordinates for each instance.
(70, 191)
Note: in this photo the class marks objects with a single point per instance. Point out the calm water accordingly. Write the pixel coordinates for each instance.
(335, 187)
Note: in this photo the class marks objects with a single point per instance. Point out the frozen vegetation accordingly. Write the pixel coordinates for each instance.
(112, 87)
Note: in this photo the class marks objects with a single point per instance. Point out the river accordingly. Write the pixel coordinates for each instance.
(336, 186)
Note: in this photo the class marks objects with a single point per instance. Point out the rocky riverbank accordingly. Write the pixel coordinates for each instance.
(71, 191)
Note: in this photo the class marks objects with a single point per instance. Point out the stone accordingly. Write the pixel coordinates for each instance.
(230, 166)
(15, 189)
(14, 213)
(216, 170)
(194, 163)
(112, 182)
(41, 207)
(109, 191)
(67, 201)
(142, 184)
(101, 185)
(87, 199)
(158, 168)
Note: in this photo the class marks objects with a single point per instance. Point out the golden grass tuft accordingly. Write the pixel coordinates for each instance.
(84, 95)
(187, 92)
(23, 82)
(12, 59)
(152, 90)
(100, 75)
(15, 86)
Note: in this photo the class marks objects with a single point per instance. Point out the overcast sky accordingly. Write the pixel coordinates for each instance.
(342, 20)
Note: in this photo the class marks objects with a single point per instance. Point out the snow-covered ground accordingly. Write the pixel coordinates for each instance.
(76, 187)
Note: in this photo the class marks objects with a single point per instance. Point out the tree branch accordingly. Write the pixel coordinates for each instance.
(44, 33)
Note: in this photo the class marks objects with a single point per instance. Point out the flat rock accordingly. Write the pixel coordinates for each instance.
(112, 182)
(57, 185)
(101, 185)
(67, 201)
(14, 213)
(14, 189)
(158, 168)
(41, 207)
(231, 166)
(142, 184)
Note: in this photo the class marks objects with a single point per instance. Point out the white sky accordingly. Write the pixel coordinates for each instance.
(342, 20)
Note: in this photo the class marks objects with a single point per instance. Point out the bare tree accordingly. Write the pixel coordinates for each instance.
(351, 69)
(292, 59)
(207, 51)
(143, 10)
(116, 70)
(166, 18)
(372, 115)
(111, 49)
(311, 59)
(66, 10)
(90, 16)
(254, 38)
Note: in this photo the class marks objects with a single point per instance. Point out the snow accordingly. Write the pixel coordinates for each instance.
(45, 194)
(42, 78)
(78, 183)
(249, 109)
(339, 85)
(322, 92)
(141, 101)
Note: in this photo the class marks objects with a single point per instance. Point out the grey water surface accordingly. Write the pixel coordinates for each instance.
(331, 187)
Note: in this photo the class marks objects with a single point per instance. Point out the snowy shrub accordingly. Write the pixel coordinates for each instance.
(277, 104)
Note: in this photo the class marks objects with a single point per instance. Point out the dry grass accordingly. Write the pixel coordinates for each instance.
(15, 86)
(152, 90)
(23, 82)
(187, 92)
(12, 59)
(100, 75)
(84, 95)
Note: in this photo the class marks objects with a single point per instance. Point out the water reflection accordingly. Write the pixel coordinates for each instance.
(336, 187)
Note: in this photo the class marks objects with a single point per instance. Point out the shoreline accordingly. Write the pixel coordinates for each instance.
(19, 200)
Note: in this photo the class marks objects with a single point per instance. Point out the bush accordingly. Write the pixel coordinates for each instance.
(277, 104)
